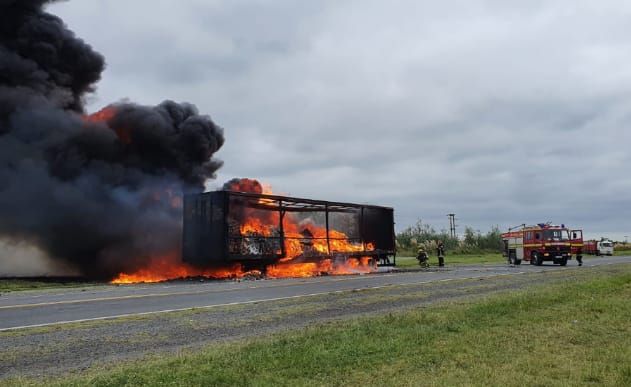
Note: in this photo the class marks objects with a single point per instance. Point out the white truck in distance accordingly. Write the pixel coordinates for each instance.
(601, 247)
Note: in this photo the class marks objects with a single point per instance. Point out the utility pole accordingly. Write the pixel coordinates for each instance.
(452, 225)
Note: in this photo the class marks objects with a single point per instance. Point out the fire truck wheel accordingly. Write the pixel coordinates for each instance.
(517, 261)
(537, 258)
(563, 261)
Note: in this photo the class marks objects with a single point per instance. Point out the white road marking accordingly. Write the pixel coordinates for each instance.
(233, 303)
(133, 296)
(257, 301)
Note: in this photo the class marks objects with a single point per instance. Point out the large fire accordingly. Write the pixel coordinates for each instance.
(170, 267)
(326, 266)
(292, 265)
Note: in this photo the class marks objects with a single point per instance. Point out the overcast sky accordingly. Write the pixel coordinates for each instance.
(503, 112)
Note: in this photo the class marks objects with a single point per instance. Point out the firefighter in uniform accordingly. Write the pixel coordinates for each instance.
(440, 250)
(422, 257)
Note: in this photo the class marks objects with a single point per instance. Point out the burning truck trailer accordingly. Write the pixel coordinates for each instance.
(265, 232)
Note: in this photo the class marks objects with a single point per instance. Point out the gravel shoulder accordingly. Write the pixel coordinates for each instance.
(57, 350)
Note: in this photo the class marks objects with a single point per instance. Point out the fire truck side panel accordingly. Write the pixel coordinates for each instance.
(517, 243)
(513, 245)
(532, 243)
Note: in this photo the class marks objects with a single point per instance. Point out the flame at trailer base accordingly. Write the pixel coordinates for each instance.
(321, 254)
(170, 267)
(362, 265)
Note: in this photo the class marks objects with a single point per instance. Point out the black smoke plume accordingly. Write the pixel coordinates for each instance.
(100, 192)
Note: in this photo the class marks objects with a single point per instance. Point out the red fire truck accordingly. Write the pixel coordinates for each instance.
(536, 244)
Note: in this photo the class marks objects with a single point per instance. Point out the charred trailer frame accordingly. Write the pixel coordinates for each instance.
(214, 224)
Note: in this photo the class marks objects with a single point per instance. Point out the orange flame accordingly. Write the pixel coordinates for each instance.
(324, 267)
(106, 114)
(302, 239)
(169, 267)
(103, 115)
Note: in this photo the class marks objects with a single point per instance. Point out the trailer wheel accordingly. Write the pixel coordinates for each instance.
(517, 261)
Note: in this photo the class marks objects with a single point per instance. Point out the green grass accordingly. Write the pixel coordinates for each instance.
(411, 262)
(16, 285)
(408, 262)
(571, 334)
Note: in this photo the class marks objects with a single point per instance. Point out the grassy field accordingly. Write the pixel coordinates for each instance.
(15, 285)
(572, 334)
(411, 262)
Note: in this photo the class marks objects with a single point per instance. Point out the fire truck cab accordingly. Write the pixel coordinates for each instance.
(537, 244)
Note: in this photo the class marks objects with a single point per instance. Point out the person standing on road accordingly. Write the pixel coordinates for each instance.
(579, 259)
(440, 250)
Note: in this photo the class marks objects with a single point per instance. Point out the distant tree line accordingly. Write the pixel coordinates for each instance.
(424, 235)
(622, 246)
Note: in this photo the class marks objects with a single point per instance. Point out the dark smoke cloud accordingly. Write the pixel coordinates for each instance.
(100, 192)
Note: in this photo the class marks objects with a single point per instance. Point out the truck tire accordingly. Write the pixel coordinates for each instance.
(537, 258)
(512, 257)
(563, 261)
(516, 261)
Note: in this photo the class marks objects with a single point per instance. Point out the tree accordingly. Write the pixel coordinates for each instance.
(423, 234)
(473, 240)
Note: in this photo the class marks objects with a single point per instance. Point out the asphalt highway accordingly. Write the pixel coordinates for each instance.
(48, 307)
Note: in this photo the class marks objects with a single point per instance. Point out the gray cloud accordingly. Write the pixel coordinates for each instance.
(499, 111)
